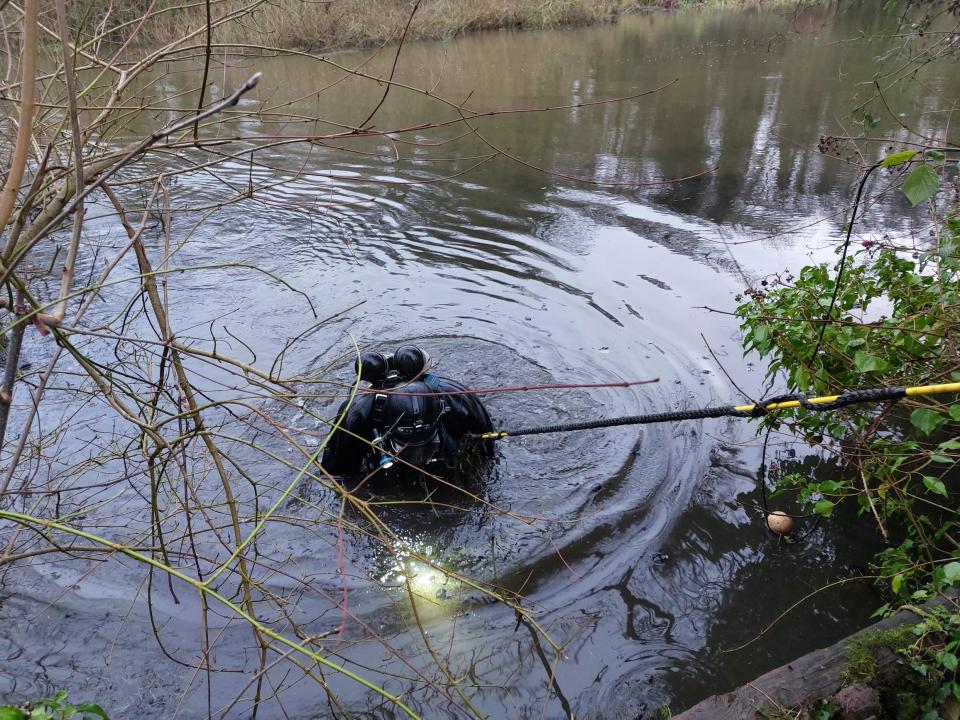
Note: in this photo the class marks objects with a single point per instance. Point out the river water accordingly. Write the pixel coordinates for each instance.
(646, 559)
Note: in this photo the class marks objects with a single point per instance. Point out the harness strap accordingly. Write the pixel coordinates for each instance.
(379, 405)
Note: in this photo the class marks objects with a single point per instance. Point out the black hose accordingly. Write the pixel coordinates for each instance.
(759, 410)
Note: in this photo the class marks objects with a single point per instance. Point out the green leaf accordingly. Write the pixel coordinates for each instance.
(955, 412)
(825, 711)
(951, 571)
(868, 363)
(948, 660)
(92, 709)
(935, 155)
(921, 184)
(824, 508)
(898, 158)
(950, 445)
(926, 420)
(881, 611)
(896, 583)
(942, 459)
(8, 712)
(935, 485)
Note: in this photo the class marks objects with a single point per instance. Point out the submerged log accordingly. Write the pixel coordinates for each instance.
(821, 674)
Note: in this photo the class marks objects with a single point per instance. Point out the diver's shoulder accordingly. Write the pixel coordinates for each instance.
(440, 383)
(358, 409)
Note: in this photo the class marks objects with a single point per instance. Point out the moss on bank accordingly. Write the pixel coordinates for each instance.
(868, 653)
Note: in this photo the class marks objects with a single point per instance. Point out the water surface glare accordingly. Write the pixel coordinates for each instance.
(649, 559)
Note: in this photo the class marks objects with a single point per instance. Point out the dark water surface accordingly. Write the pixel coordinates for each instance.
(648, 559)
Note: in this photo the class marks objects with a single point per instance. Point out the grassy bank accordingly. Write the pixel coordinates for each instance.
(359, 23)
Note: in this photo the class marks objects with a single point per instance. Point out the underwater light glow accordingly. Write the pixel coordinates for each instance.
(430, 583)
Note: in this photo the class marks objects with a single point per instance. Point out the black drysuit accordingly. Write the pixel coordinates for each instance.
(349, 456)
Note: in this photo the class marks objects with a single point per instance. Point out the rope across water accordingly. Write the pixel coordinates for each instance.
(782, 402)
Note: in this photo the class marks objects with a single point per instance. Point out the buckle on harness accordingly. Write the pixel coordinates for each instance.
(379, 404)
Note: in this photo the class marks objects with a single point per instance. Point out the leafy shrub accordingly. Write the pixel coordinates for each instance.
(53, 708)
(895, 322)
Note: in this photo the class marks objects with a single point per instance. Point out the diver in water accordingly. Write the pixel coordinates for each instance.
(408, 417)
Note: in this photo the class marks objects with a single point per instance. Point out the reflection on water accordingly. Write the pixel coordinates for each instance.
(640, 552)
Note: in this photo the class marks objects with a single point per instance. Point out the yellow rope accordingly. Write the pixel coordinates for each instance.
(910, 391)
(934, 389)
